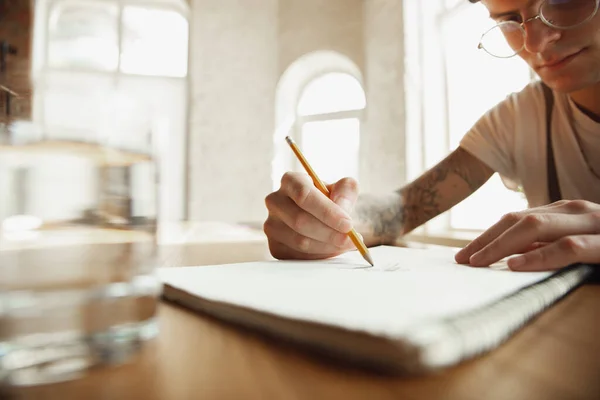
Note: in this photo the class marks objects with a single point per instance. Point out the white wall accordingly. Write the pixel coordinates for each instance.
(306, 26)
(239, 50)
(233, 64)
(383, 145)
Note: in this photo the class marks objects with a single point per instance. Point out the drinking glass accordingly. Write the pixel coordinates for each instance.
(77, 250)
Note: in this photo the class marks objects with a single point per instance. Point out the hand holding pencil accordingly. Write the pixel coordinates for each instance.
(308, 220)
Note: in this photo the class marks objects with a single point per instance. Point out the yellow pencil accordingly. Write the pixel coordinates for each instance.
(321, 186)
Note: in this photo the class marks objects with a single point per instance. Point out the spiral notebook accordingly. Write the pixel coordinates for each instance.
(416, 310)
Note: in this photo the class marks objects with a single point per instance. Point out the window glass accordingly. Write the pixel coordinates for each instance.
(332, 148)
(155, 42)
(331, 92)
(331, 144)
(83, 35)
(476, 82)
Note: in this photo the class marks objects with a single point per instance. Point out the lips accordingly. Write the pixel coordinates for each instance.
(559, 62)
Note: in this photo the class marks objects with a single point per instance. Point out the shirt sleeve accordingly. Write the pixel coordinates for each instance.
(492, 140)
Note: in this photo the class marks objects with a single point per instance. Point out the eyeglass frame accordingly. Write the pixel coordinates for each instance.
(541, 18)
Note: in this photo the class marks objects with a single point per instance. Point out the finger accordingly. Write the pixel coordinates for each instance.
(564, 252)
(277, 230)
(464, 255)
(302, 191)
(562, 206)
(534, 246)
(297, 220)
(344, 193)
(531, 229)
(283, 252)
(508, 220)
(574, 207)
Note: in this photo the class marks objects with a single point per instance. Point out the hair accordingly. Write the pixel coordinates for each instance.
(474, 1)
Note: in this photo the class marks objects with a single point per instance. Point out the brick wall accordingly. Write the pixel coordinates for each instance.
(16, 28)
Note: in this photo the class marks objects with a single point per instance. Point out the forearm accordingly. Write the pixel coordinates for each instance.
(383, 219)
(379, 219)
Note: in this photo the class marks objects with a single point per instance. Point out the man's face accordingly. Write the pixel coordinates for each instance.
(566, 60)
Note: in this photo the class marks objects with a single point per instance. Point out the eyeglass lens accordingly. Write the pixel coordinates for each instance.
(508, 38)
(567, 13)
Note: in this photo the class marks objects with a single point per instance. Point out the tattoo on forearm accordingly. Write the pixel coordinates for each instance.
(421, 199)
(436, 191)
(442, 187)
(381, 217)
(472, 171)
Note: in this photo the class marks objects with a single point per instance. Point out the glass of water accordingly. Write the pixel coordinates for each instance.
(77, 251)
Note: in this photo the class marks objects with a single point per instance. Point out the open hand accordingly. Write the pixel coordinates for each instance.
(303, 223)
(546, 238)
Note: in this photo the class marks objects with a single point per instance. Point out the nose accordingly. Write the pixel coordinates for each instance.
(538, 36)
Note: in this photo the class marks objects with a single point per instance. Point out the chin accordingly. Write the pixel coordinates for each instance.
(579, 74)
(570, 80)
(566, 84)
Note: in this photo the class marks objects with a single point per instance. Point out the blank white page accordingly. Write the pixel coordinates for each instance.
(406, 287)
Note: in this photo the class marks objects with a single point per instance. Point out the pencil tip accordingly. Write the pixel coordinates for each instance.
(369, 259)
(289, 140)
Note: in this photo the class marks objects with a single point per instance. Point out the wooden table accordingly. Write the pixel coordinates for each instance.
(195, 357)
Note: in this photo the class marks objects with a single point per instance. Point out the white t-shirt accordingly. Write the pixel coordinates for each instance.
(511, 139)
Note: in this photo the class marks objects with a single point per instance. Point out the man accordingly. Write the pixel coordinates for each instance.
(560, 40)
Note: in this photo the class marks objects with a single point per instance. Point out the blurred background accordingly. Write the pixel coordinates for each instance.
(379, 90)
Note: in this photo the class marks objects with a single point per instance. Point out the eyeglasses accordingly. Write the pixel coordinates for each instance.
(507, 39)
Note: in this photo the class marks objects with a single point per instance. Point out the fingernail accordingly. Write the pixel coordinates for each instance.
(516, 262)
(345, 204)
(345, 225)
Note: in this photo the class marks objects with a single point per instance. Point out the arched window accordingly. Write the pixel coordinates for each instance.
(320, 99)
(328, 125)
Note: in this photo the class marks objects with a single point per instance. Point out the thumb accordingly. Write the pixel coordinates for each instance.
(344, 193)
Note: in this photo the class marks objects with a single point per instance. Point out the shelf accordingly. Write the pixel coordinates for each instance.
(100, 155)
(9, 91)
